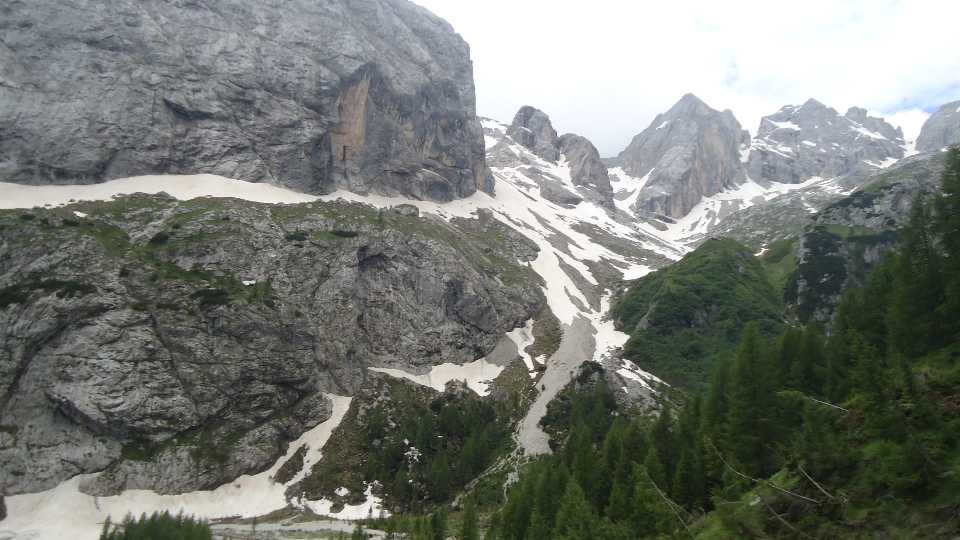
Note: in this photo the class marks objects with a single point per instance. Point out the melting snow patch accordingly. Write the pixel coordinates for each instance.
(371, 507)
(65, 512)
(523, 338)
(180, 186)
(249, 282)
(783, 125)
(477, 375)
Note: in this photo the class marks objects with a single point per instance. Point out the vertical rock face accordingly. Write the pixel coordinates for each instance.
(177, 345)
(798, 143)
(365, 95)
(532, 128)
(690, 152)
(586, 169)
(941, 129)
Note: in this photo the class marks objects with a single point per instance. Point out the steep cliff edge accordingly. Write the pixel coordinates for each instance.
(364, 95)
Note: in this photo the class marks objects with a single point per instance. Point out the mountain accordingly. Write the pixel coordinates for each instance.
(688, 153)
(532, 129)
(813, 140)
(802, 159)
(681, 318)
(843, 242)
(366, 95)
(942, 129)
(178, 345)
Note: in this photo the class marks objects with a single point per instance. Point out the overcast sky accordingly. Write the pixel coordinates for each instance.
(606, 68)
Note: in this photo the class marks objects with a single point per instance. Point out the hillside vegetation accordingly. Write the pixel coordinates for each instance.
(855, 435)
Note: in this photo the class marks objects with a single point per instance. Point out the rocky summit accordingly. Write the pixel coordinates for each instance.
(532, 129)
(371, 96)
(813, 140)
(689, 152)
(941, 130)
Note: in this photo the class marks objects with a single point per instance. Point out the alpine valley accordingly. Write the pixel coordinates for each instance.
(264, 273)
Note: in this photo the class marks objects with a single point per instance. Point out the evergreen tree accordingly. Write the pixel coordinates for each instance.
(914, 325)
(469, 527)
(948, 225)
(752, 407)
(576, 520)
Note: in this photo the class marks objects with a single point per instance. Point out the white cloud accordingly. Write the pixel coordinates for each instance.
(909, 120)
(604, 69)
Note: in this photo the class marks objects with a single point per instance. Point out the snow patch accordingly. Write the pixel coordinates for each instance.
(65, 512)
(477, 375)
(783, 125)
(183, 187)
(523, 337)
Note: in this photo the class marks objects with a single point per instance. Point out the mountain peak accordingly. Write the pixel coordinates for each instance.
(690, 152)
(941, 129)
(689, 104)
(533, 129)
(813, 104)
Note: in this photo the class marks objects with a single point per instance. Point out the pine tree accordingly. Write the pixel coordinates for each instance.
(752, 408)
(438, 524)
(913, 323)
(651, 514)
(576, 520)
(948, 225)
(539, 526)
(469, 527)
(716, 405)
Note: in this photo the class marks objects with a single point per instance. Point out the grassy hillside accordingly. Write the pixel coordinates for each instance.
(681, 318)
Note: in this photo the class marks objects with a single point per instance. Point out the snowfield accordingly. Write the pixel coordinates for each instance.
(64, 512)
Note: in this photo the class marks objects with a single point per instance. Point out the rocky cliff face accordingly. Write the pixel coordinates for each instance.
(690, 152)
(532, 129)
(177, 345)
(364, 95)
(798, 143)
(847, 238)
(941, 129)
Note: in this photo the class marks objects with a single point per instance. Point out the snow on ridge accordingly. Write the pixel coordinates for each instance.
(864, 131)
(632, 185)
(182, 187)
(784, 125)
(65, 512)
(711, 210)
(886, 163)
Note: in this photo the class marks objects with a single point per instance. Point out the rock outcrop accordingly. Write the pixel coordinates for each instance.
(176, 345)
(532, 129)
(847, 238)
(941, 129)
(364, 95)
(690, 152)
(586, 169)
(798, 143)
